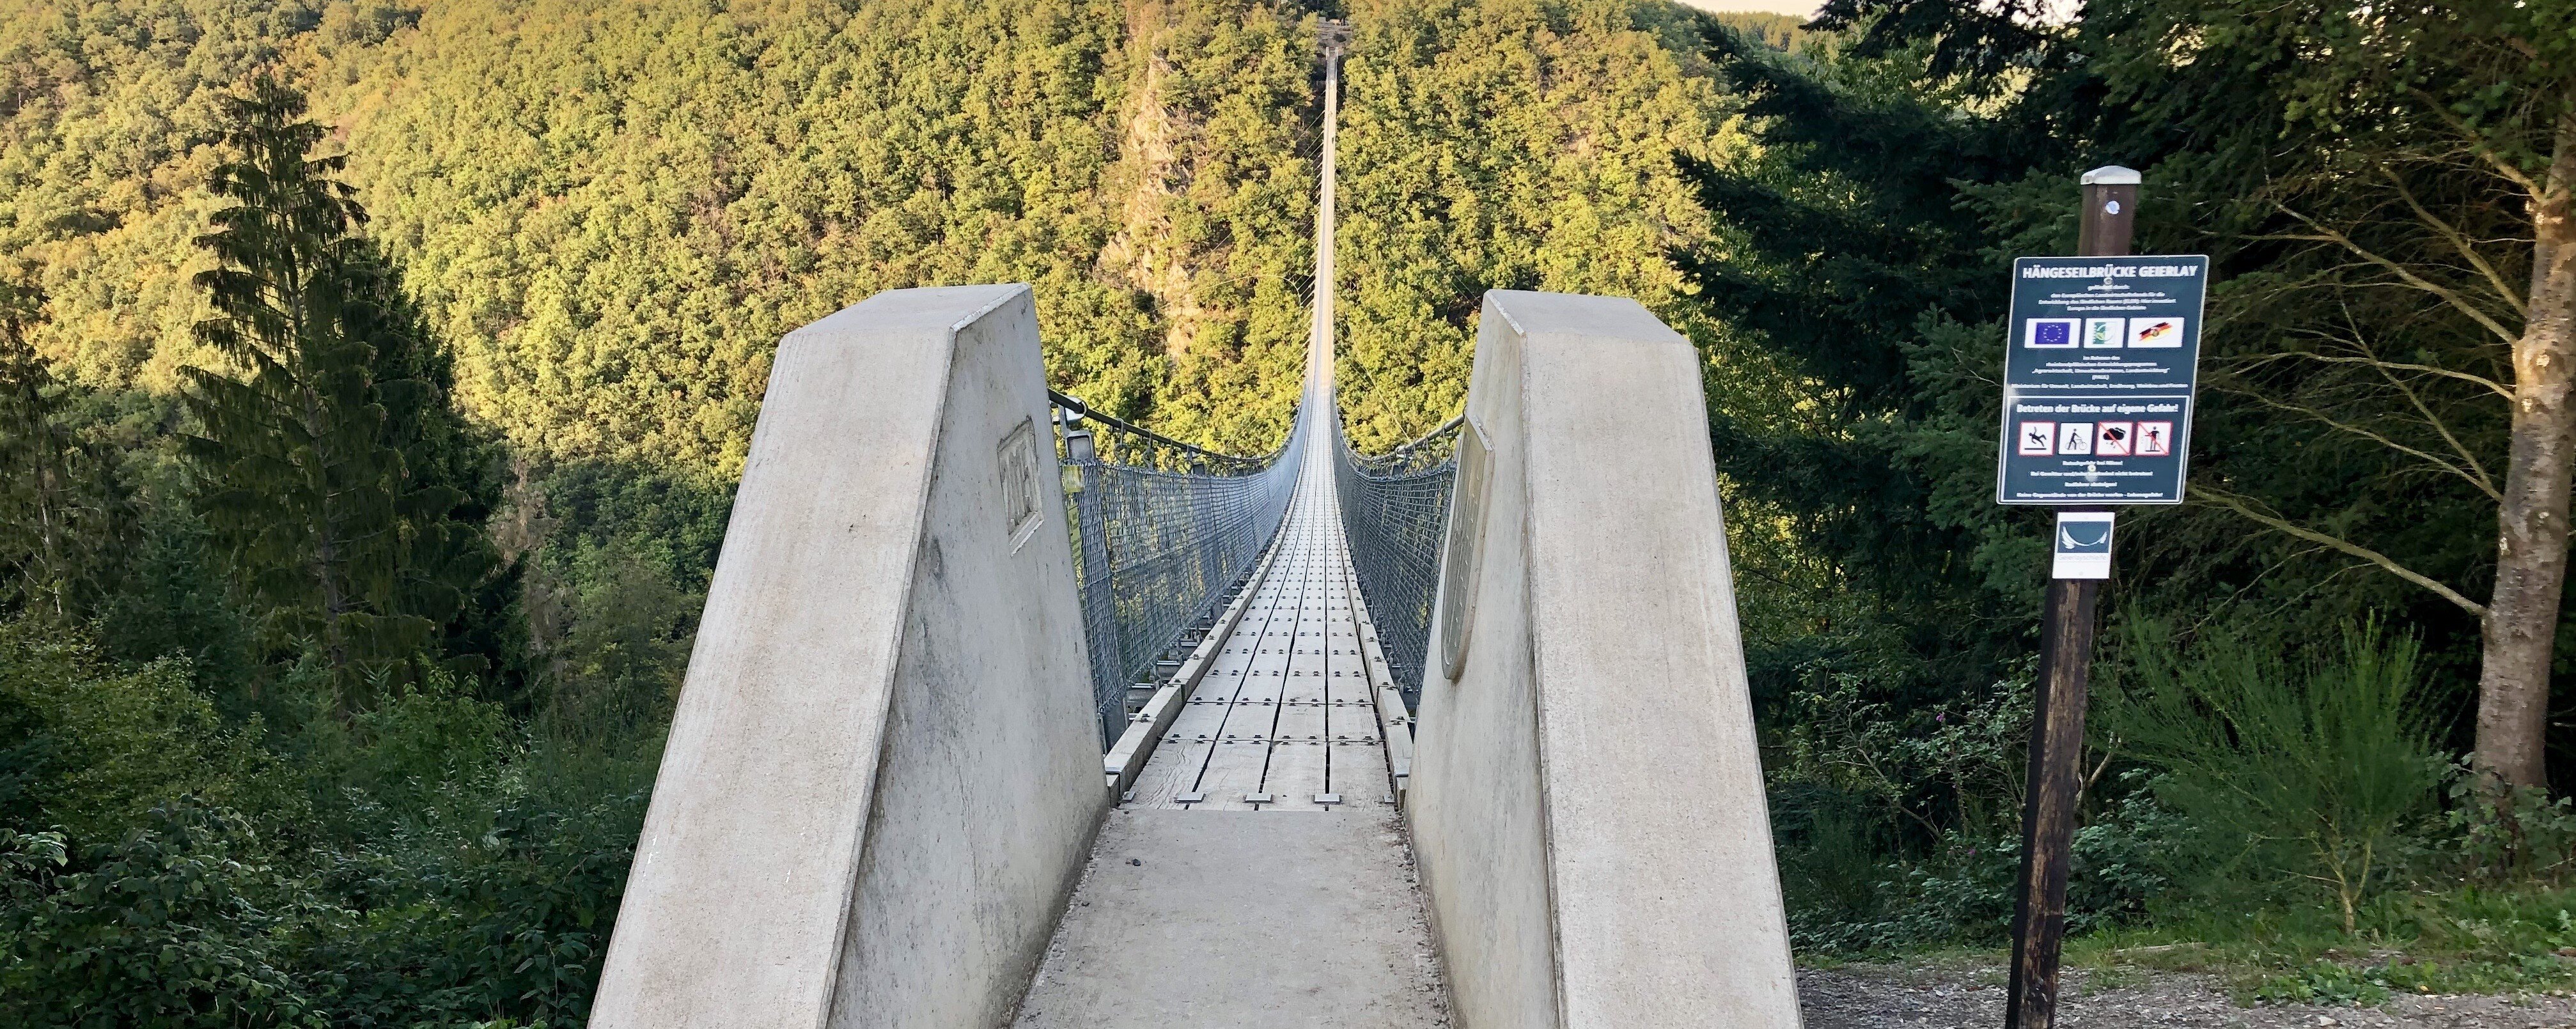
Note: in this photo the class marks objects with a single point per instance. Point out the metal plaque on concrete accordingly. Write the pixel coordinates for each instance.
(2101, 357)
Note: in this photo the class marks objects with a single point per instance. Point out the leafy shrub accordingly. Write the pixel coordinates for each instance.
(2496, 835)
(91, 747)
(1903, 831)
(457, 927)
(2296, 778)
(160, 927)
(2326, 982)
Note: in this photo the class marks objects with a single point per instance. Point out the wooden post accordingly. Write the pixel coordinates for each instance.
(2057, 723)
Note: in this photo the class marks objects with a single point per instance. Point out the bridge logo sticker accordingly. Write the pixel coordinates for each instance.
(1466, 532)
(1018, 458)
(2083, 545)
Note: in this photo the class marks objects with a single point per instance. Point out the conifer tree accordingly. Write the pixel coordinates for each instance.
(56, 493)
(341, 548)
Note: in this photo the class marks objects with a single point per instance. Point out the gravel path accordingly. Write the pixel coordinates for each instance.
(1890, 997)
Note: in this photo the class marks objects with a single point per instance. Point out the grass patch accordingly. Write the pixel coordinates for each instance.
(2464, 941)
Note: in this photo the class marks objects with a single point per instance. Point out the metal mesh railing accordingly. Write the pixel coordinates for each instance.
(1395, 507)
(1162, 533)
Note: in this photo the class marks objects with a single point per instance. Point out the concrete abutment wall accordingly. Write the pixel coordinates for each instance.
(884, 772)
(1587, 808)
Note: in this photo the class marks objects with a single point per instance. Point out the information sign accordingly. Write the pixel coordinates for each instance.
(2100, 361)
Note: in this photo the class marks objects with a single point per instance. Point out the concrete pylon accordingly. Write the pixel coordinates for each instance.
(1587, 807)
(884, 773)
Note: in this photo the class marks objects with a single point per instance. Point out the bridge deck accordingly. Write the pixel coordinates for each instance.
(1258, 875)
(1284, 719)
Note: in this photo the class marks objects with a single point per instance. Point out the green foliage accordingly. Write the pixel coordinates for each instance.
(175, 603)
(420, 862)
(2341, 167)
(2451, 939)
(611, 210)
(61, 500)
(1956, 765)
(1846, 898)
(498, 906)
(2495, 835)
(1787, 33)
(2298, 776)
(154, 928)
(92, 746)
(1853, 787)
(2326, 982)
(617, 671)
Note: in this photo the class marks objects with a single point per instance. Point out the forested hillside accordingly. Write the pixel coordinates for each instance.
(611, 211)
(1507, 146)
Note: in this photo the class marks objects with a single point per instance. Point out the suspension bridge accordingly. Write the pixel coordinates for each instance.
(1007, 712)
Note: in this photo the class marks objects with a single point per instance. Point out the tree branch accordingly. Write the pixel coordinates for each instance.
(2478, 480)
(2494, 159)
(2461, 242)
(2489, 384)
(2245, 506)
(2360, 344)
(2468, 457)
(2405, 275)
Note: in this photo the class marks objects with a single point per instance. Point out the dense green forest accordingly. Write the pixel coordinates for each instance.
(369, 743)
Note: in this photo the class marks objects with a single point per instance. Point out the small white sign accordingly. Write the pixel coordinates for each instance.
(2083, 545)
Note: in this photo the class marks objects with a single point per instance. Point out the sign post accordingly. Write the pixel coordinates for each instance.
(2101, 354)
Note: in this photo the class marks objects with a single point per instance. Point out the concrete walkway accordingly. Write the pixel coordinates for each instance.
(1243, 918)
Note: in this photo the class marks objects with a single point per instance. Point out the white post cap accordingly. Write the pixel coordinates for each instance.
(2112, 175)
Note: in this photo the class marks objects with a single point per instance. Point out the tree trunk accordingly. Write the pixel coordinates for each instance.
(2531, 550)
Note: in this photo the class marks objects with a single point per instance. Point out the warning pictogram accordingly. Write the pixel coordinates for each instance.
(2075, 439)
(2111, 439)
(2155, 439)
(2038, 439)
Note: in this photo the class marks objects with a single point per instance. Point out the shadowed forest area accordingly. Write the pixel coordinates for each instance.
(374, 378)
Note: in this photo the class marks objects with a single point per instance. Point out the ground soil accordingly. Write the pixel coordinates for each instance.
(1890, 996)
